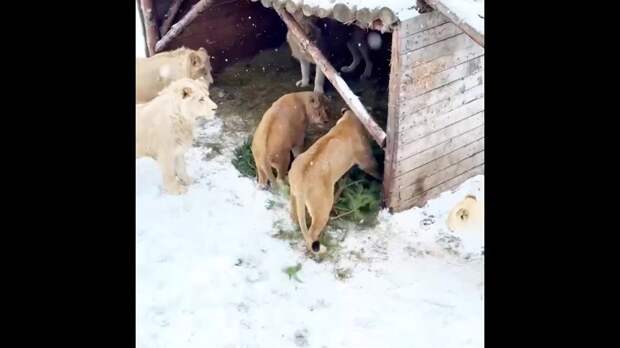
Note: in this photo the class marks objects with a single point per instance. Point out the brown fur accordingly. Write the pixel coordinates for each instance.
(156, 72)
(315, 172)
(282, 130)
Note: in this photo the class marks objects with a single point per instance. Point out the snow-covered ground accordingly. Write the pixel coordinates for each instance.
(209, 267)
(210, 271)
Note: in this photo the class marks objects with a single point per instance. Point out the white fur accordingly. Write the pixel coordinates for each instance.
(165, 127)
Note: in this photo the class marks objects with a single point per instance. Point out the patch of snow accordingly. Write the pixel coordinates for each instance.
(210, 274)
(470, 11)
(140, 43)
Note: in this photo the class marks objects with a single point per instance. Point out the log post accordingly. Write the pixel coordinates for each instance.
(460, 22)
(172, 11)
(330, 73)
(177, 28)
(150, 27)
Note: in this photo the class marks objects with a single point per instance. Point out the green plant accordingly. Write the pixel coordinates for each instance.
(359, 200)
(292, 272)
(244, 160)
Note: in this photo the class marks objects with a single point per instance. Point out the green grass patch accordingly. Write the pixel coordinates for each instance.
(292, 272)
(244, 160)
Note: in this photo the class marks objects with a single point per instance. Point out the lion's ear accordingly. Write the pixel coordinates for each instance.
(195, 59)
(187, 92)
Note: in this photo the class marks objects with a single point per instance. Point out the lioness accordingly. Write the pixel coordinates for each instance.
(158, 71)
(315, 172)
(314, 34)
(165, 125)
(282, 130)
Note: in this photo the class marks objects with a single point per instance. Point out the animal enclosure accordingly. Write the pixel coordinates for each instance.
(431, 69)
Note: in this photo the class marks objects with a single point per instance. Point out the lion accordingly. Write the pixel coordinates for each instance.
(314, 173)
(282, 130)
(165, 125)
(156, 72)
(314, 34)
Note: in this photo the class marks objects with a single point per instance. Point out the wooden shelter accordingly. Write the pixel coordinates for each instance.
(434, 139)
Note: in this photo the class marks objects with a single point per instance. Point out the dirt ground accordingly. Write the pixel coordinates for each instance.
(245, 90)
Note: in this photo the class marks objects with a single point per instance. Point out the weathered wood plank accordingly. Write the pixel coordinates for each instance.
(440, 149)
(408, 120)
(439, 49)
(426, 83)
(438, 137)
(442, 63)
(421, 199)
(425, 183)
(427, 126)
(150, 25)
(422, 22)
(332, 75)
(476, 34)
(433, 96)
(169, 17)
(428, 37)
(439, 163)
(391, 148)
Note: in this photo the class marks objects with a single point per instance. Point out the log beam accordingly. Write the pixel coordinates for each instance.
(172, 11)
(177, 28)
(330, 73)
(150, 27)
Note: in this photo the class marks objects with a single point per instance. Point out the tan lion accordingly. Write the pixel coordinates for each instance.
(165, 126)
(315, 172)
(156, 72)
(282, 130)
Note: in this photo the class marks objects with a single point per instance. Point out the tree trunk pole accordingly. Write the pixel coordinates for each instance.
(150, 27)
(172, 11)
(177, 28)
(341, 86)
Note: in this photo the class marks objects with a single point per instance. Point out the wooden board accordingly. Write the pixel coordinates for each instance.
(439, 163)
(421, 199)
(439, 150)
(471, 25)
(438, 137)
(446, 105)
(424, 183)
(412, 104)
(392, 131)
(422, 22)
(430, 125)
(426, 83)
(439, 114)
(442, 63)
(428, 37)
(442, 48)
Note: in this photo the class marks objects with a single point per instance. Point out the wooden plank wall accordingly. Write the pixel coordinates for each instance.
(435, 112)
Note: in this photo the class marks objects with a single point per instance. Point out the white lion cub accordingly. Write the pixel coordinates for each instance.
(165, 126)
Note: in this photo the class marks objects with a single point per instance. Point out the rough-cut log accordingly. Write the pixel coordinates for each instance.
(460, 22)
(322, 63)
(172, 11)
(177, 28)
(150, 27)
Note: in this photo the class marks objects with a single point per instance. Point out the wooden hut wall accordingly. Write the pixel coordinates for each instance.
(436, 111)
